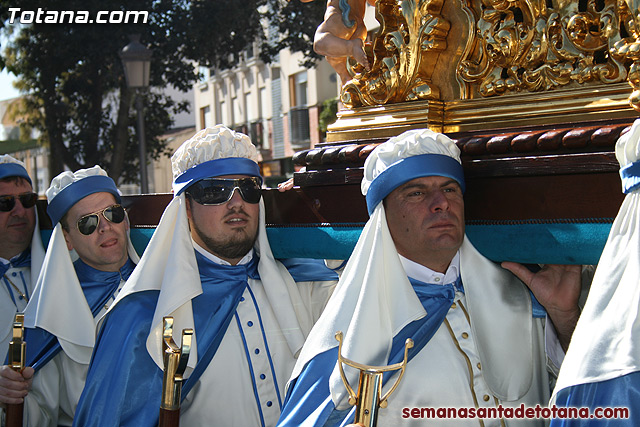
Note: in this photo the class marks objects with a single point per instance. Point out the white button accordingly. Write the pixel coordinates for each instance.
(437, 279)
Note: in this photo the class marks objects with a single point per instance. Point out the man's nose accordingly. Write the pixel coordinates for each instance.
(104, 224)
(18, 209)
(439, 201)
(236, 199)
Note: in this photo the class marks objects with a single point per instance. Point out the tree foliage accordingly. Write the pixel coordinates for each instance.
(73, 74)
(293, 27)
(78, 96)
(222, 29)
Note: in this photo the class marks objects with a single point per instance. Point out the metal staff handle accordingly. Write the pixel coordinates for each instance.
(17, 357)
(175, 362)
(369, 396)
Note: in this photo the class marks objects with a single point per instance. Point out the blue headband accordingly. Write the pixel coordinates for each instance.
(73, 193)
(630, 176)
(14, 169)
(213, 168)
(404, 170)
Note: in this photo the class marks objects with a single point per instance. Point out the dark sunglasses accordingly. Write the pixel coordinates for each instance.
(88, 223)
(216, 191)
(28, 200)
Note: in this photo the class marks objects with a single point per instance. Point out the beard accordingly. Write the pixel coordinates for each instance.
(233, 247)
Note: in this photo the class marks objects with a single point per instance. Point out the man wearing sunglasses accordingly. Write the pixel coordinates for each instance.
(70, 296)
(21, 251)
(209, 266)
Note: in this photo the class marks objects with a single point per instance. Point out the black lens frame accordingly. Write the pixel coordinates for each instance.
(28, 200)
(97, 215)
(201, 192)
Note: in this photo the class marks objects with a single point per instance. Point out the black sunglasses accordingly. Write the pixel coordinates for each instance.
(216, 191)
(28, 200)
(88, 223)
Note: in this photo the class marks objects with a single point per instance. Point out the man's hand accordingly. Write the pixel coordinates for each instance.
(14, 386)
(557, 288)
(285, 186)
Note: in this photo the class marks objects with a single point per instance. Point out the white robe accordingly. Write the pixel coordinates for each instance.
(228, 374)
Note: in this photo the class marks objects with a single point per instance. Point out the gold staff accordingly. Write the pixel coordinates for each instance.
(369, 397)
(175, 362)
(17, 356)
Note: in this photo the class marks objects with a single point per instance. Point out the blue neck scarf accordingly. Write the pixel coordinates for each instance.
(21, 260)
(99, 286)
(436, 300)
(308, 396)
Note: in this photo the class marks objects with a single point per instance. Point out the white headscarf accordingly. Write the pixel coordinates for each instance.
(606, 341)
(211, 152)
(58, 304)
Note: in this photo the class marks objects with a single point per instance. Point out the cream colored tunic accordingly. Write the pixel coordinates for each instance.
(448, 369)
(253, 360)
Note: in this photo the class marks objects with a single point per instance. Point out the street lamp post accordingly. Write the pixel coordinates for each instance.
(136, 59)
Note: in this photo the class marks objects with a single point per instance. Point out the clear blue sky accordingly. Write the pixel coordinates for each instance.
(6, 89)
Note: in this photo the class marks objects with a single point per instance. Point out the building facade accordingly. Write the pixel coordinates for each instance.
(277, 105)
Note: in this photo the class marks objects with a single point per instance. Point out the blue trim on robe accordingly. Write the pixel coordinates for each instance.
(622, 391)
(308, 401)
(98, 287)
(252, 374)
(124, 384)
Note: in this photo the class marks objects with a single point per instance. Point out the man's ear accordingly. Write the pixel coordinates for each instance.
(67, 239)
(127, 223)
(187, 201)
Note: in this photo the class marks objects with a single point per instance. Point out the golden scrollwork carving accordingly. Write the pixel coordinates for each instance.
(629, 47)
(403, 55)
(537, 45)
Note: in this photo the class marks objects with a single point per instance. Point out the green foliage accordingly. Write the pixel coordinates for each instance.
(293, 27)
(73, 74)
(329, 113)
(221, 30)
(75, 79)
